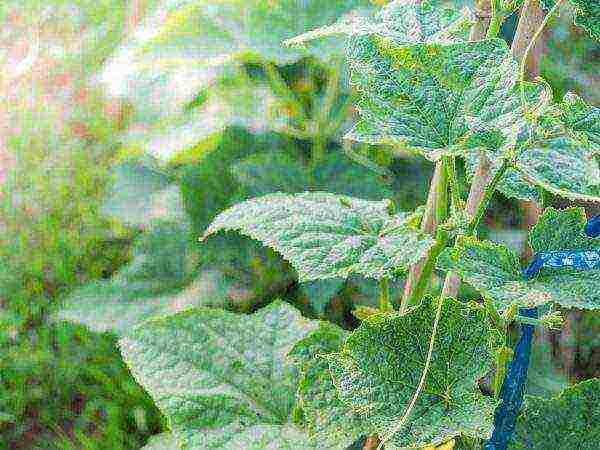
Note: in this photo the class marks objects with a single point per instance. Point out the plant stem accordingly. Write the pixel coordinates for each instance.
(479, 199)
(482, 14)
(281, 88)
(496, 20)
(450, 163)
(429, 225)
(384, 295)
(487, 196)
(532, 42)
(440, 195)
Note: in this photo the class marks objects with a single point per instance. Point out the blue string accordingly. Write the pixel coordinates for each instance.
(511, 393)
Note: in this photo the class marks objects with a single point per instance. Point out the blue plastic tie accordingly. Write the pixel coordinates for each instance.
(511, 393)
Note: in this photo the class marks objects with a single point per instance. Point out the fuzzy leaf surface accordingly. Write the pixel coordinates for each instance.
(379, 367)
(222, 379)
(424, 96)
(327, 418)
(328, 236)
(164, 441)
(402, 21)
(581, 119)
(569, 421)
(495, 271)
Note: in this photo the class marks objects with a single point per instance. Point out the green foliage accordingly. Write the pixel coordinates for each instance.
(327, 236)
(327, 419)
(223, 380)
(587, 15)
(568, 421)
(379, 366)
(495, 271)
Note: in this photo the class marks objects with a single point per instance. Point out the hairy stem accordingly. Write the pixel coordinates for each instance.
(483, 14)
(440, 191)
(531, 44)
(496, 20)
(450, 163)
(384, 295)
(482, 191)
(428, 225)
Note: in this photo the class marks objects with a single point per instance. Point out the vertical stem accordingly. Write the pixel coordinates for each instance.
(428, 225)
(496, 20)
(483, 13)
(384, 295)
(439, 192)
(450, 163)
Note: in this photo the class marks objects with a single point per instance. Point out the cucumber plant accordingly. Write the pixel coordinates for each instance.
(412, 374)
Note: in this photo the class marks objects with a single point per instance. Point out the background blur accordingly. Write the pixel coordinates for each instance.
(125, 126)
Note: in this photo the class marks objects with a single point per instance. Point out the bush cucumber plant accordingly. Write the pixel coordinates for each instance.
(412, 376)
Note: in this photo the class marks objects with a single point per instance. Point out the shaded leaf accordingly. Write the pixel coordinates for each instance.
(328, 420)
(568, 421)
(379, 367)
(141, 194)
(328, 236)
(222, 379)
(495, 271)
(320, 292)
(581, 119)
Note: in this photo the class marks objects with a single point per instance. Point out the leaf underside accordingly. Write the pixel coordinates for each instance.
(328, 236)
(379, 367)
(495, 270)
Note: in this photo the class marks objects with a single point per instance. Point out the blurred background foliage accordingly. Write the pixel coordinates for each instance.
(125, 127)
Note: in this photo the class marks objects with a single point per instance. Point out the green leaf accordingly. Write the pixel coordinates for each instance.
(424, 97)
(544, 378)
(164, 441)
(141, 194)
(328, 236)
(327, 419)
(379, 367)
(562, 166)
(494, 270)
(404, 22)
(587, 16)
(569, 421)
(581, 119)
(222, 379)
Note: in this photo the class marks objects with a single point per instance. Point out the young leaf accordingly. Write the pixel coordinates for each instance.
(379, 367)
(328, 420)
(425, 96)
(568, 421)
(402, 21)
(581, 119)
(221, 379)
(328, 236)
(495, 271)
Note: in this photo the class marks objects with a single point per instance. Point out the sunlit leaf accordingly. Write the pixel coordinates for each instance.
(378, 370)
(328, 236)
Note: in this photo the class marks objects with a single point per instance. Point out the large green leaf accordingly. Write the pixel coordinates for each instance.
(402, 21)
(379, 367)
(495, 271)
(568, 421)
(427, 97)
(221, 379)
(327, 419)
(328, 236)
